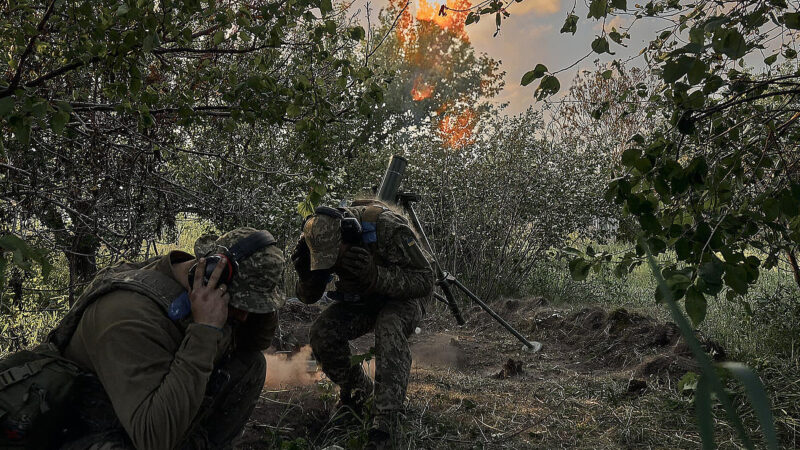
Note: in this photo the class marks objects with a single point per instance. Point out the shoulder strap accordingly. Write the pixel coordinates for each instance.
(156, 286)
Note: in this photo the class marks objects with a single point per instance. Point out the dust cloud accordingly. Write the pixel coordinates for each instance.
(440, 350)
(292, 369)
(299, 369)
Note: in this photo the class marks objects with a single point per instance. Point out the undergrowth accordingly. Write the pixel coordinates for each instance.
(760, 329)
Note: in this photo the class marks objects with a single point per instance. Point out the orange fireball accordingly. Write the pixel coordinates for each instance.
(456, 129)
(421, 90)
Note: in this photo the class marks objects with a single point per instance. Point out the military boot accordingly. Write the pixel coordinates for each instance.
(352, 402)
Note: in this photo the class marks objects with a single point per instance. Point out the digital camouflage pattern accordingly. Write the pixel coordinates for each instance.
(323, 235)
(393, 321)
(256, 288)
(392, 309)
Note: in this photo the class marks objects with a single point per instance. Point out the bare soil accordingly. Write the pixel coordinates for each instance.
(604, 379)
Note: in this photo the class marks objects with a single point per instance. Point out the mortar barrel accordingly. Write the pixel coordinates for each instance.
(391, 179)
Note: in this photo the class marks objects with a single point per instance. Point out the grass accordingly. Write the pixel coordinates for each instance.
(760, 329)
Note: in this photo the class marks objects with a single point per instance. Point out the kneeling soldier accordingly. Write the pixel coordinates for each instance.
(171, 349)
(383, 281)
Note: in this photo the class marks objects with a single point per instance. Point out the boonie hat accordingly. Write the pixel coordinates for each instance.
(257, 285)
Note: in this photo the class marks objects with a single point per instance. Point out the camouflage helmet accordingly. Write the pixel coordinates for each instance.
(323, 234)
(257, 286)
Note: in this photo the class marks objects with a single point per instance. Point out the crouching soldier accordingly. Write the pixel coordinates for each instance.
(382, 282)
(173, 349)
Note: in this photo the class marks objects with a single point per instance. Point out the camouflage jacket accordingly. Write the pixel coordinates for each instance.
(403, 269)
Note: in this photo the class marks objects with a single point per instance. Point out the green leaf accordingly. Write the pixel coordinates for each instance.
(711, 274)
(579, 269)
(732, 44)
(356, 360)
(770, 60)
(792, 20)
(736, 278)
(598, 9)
(59, 121)
(697, 35)
(675, 69)
(571, 24)
(695, 305)
(715, 22)
(6, 105)
(600, 45)
(219, 36)
(697, 72)
(620, 4)
(650, 224)
(704, 413)
(547, 87)
(607, 74)
(531, 75)
(688, 382)
(357, 33)
(325, 6)
(757, 396)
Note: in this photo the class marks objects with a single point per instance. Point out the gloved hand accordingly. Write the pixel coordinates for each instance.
(357, 270)
(301, 258)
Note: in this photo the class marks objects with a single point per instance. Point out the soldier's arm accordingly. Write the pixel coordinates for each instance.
(156, 388)
(409, 274)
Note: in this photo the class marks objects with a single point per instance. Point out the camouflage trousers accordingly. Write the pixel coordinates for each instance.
(231, 395)
(392, 321)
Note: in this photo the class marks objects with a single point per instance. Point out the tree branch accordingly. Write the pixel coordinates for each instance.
(28, 50)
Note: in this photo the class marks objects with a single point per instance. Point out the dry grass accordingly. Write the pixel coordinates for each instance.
(562, 399)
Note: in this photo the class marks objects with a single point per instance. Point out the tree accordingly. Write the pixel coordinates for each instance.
(594, 122)
(720, 179)
(99, 101)
(439, 85)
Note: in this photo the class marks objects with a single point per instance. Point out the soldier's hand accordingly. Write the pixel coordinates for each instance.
(357, 267)
(209, 302)
(301, 258)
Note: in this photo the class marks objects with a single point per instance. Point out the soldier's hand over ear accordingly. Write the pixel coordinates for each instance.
(209, 302)
(301, 258)
(357, 265)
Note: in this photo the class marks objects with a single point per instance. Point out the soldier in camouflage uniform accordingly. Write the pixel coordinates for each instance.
(381, 286)
(158, 383)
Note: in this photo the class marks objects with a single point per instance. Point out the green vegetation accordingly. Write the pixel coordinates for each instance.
(129, 128)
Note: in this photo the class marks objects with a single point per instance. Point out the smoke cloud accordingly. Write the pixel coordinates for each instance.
(439, 351)
(299, 369)
(287, 370)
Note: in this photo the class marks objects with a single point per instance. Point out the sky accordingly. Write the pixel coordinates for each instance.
(531, 35)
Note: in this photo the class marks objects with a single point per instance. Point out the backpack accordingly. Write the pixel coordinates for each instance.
(36, 386)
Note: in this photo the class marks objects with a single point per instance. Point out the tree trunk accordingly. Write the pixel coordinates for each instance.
(82, 261)
(795, 268)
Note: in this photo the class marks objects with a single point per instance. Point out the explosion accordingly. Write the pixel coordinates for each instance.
(421, 89)
(456, 129)
(449, 17)
(424, 44)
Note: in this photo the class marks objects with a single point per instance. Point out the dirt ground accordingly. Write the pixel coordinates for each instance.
(604, 379)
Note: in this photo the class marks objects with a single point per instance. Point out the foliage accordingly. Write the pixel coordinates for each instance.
(439, 85)
(710, 382)
(103, 103)
(718, 183)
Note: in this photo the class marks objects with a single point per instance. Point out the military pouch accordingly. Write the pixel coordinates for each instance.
(35, 388)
